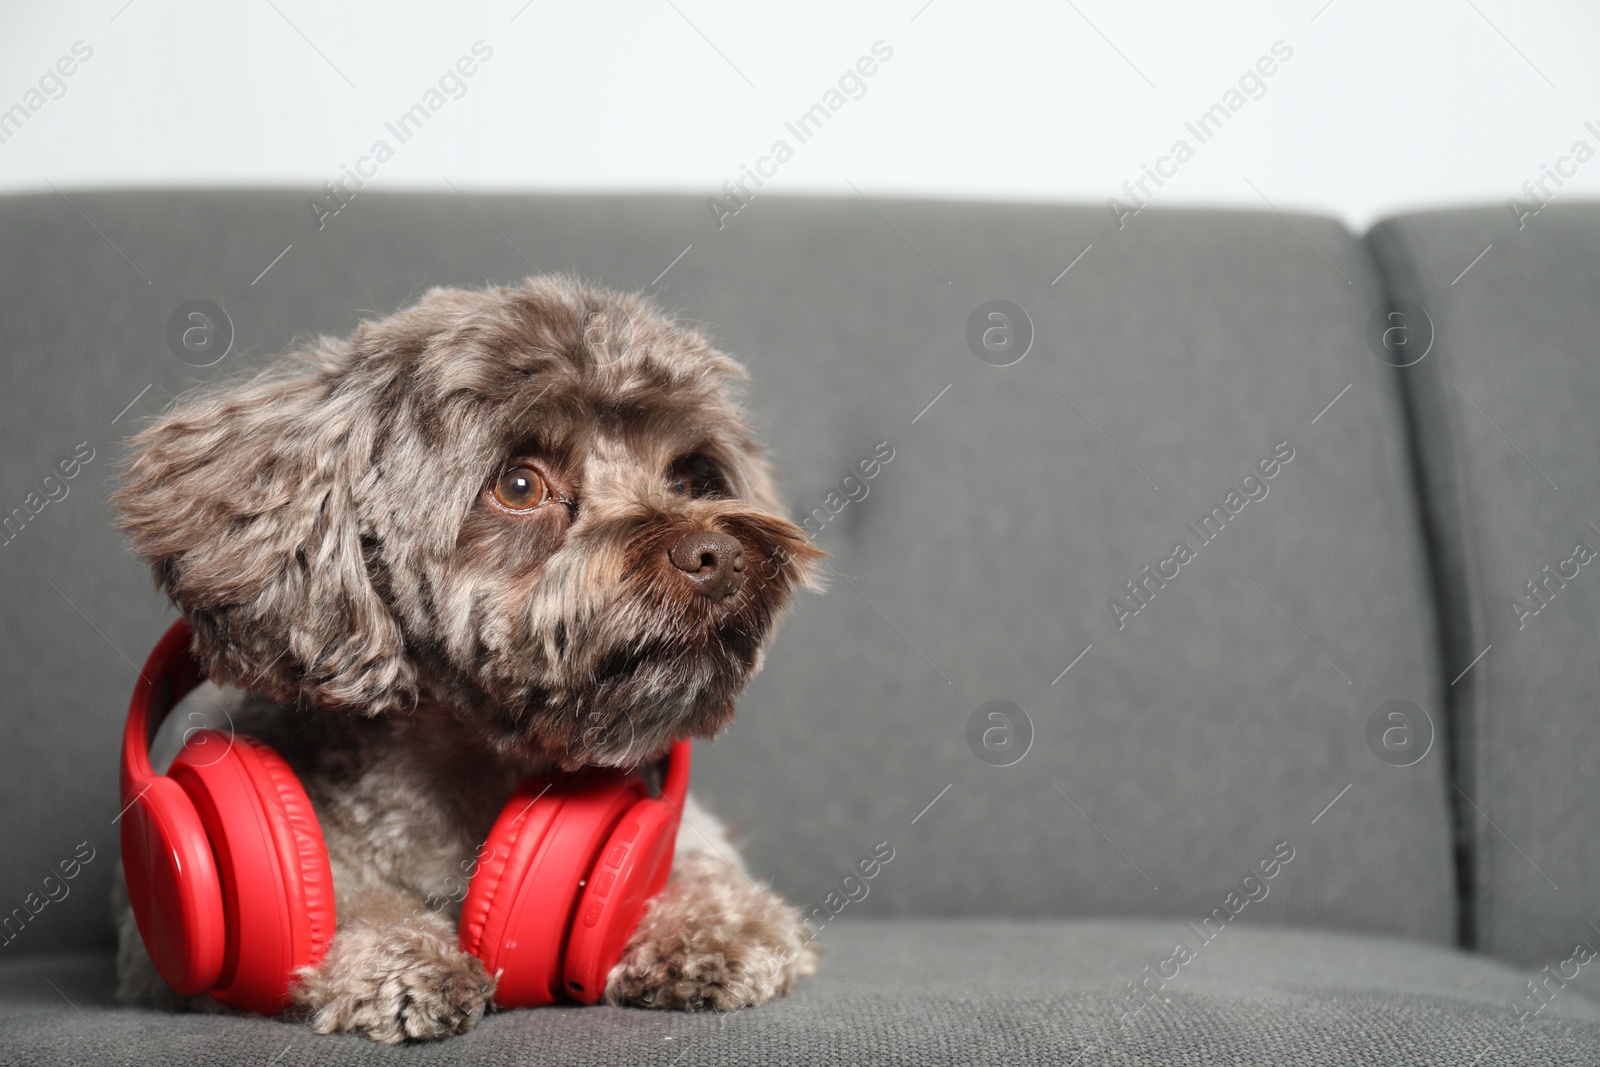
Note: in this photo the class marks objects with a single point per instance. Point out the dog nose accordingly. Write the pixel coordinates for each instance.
(713, 561)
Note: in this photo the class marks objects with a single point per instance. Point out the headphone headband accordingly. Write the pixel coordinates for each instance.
(171, 672)
(675, 789)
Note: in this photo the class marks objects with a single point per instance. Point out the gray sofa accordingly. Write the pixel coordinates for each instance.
(1313, 789)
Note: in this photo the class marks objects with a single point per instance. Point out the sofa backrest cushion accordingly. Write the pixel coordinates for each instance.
(1193, 378)
(1507, 408)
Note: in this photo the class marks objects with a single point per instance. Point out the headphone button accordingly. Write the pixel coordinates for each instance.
(591, 915)
(629, 831)
(615, 855)
(602, 884)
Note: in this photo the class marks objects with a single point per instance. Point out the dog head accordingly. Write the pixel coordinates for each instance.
(540, 508)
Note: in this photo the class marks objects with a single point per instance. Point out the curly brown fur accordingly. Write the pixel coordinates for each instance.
(331, 529)
(394, 975)
(713, 939)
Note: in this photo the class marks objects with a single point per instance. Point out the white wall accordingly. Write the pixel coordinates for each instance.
(1382, 107)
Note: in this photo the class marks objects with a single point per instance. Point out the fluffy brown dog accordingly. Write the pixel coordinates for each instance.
(493, 533)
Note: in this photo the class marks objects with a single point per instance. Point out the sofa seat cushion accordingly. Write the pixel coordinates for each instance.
(929, 992)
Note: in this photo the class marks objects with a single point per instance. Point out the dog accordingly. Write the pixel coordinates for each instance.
(492, 535)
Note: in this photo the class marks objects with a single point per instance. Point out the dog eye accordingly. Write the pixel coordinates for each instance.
(520, 488)
(697, 476)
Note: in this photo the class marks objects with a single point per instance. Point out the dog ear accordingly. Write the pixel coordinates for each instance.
(244, 500)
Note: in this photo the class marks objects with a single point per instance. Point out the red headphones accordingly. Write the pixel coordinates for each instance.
(232, 890)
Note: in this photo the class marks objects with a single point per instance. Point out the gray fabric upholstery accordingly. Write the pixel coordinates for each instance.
(1230, 714)
(1506, 419)
(1165, 765)
(925, 992)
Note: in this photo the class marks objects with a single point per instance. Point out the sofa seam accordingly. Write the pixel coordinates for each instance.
(1442, 502)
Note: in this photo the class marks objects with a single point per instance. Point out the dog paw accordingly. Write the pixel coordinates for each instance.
(394, 984)
(712, 940)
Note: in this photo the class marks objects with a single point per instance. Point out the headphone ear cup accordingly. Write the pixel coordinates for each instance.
(173, 886)
(517, 915)
(277, 885)
(502, 865)
(631, 869)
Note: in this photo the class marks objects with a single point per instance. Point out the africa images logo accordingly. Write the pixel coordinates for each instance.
(1253, 488)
